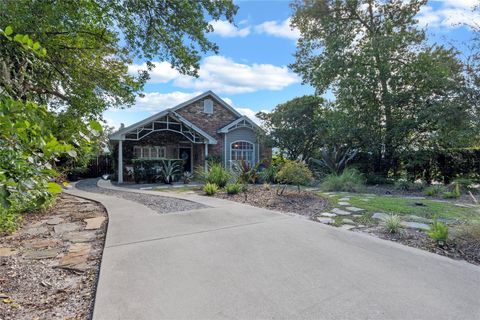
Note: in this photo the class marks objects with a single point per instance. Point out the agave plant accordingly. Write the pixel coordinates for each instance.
(335, 159)
(170, 169)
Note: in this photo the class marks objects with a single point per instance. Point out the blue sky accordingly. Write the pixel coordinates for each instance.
(251, 70)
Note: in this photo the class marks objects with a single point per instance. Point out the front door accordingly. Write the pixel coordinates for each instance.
(186, 156)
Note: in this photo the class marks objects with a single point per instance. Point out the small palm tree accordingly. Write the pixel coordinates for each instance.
(170, 169)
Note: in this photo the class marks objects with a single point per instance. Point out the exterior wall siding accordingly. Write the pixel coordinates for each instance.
(241, 134)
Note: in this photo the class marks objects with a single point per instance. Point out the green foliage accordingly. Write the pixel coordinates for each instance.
(233, 188)
(210, 189)
(405, 185)
(463, 185)
(187, 177)
(294, 172)
(393, 223)
(295, 126)
(269, 173)
(434, 190)
(438, 232)
(154, 170)
(335, 159)
(215, 174)
(350, 180)
(244, 173)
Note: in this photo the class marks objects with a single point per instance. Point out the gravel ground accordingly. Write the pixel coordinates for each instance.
(159, 203)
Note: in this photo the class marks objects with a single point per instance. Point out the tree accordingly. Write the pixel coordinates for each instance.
(90, 44)
(294, 172)
(392, 90)
(295, 126)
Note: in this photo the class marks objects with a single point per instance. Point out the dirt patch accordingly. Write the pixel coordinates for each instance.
(459, 248)
(304, 202)
(48, 276)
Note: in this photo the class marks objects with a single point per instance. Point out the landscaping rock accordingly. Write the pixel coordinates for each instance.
(347, 226)
(79, 236)
(94, 223)
(344, 199)
(354, 209)
(7, 252)
(328, 214)
(415, 225)
(341, 212)
(66, 227)
(38, 244)
(77, 257)
(41, 254)
(325, 220)
(357, 215)
(380, 216)
(418, 219)
(54, 221)
(37, 231)
(347, 221)
(344, 203)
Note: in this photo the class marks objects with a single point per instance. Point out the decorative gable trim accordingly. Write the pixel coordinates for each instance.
(242, 122)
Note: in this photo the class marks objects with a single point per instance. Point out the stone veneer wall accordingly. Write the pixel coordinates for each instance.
(209, 123)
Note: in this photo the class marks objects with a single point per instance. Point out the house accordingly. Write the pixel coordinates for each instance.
(203, 128)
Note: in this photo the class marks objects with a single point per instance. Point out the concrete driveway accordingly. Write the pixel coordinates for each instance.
(239, 262)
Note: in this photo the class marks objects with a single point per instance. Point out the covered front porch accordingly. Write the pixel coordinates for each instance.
(168, 136)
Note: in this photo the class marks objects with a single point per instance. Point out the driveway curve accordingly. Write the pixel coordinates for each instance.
(232, 261)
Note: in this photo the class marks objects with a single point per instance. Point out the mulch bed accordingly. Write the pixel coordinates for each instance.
(304, 202)
(458, 248)
(52, 273)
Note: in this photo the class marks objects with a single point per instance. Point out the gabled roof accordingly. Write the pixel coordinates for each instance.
(119, 134)
(242, 122)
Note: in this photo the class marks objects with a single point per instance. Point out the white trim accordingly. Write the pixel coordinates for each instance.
(235, 125)
(120, 161)
(225, 150)
(206, 155)
(253, 151)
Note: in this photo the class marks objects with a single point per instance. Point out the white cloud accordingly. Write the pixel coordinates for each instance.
(161, 73)
(155, 101)
(251, 114)
(228, 30)
(223, 75)
(450, 14)
(281, 29)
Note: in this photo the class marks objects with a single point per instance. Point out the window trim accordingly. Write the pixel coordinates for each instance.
(252, 163)
(210, 110)
(150, 148)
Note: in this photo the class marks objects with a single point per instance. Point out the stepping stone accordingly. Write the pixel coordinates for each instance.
(328, 214)
(7, 252)
(325, 220)
(79, 236)
(66, 227)
(41, 254)
(414, 218)
(37, 244)
(85, 215)
(341, 212)
(344, 199)
(347, 226)
(380, 216)
(415, 225)
(347, 221)
(357, 215)
(76, 258)
(354, 209)
(37, 231)
(54, 221)
(343, 203)
(94, 223)
(88, 207)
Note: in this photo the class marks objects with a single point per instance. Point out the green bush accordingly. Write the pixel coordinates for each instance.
(210, 189)
(350, 181)
(294, 172)
(434, 190)
(438, 232)
(405, 185)
(393, 223)
(375, 178)
(215, 174)
(269, 173)
(244, 173)
(454, 194)
(464, 185)
(233, 188)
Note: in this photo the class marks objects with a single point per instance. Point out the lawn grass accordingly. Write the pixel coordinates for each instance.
(407, 206)
(178, 189)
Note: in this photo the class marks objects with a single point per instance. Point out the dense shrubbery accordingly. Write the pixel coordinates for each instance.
(349, 180)
(215, 173)
(393, 223)
(405, 185)
(294, 172)
(155, 170)
(210, 189)
(438, 232)
(233, 188)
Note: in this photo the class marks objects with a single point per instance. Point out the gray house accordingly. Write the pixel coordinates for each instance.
(196, 130)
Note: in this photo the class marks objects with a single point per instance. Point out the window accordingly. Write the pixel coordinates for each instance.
(147, 152)
(242, 150)
(208, 106)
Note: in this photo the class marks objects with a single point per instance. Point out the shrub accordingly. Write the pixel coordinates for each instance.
(463, 184)
(438, 232)
(244, 173)
(215, 174)
(269, 173)
(233, 188)
(294, 172)
(376, 178)
(434, 190)
(405, 185)
(187, 177)
(335, 159)
(266, 186)
(454, 194)
(210, 189)
(350, 180)
(393, 223)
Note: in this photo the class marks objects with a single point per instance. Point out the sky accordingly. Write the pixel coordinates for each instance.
(251, 72)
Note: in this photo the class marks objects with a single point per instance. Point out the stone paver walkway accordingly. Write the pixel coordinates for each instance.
(231, 260)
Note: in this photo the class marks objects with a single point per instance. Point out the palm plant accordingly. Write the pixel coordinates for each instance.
(169, 170)
(335, 159)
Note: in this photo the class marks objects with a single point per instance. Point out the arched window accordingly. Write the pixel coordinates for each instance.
(242, 150)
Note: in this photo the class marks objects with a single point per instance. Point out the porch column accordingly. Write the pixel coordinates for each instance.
(120, 161)
(206, 155)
